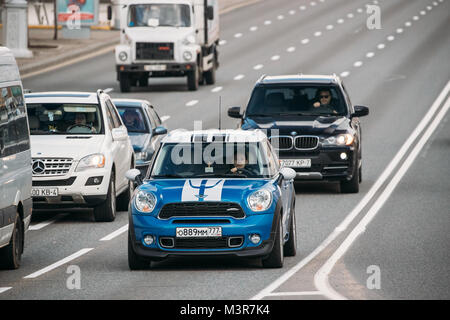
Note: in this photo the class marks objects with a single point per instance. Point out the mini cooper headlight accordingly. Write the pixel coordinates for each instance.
(260, 200)
(145, 201)
(340, 140)
(92, 161)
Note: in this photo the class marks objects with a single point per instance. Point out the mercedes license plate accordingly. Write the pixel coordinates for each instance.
(296, 163)
(44, 192)
(155, 67)
(199, 232)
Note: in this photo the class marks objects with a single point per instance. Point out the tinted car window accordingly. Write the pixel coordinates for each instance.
(133, 119)
(312, 100)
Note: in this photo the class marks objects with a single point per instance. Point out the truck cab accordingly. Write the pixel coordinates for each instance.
(167, 38)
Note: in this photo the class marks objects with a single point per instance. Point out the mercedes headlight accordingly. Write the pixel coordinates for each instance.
(92, 161)
(145, 201)
(340, 140)
(259, 200)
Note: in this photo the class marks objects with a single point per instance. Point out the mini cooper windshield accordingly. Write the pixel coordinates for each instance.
(216, 159)
(64, 118)
(294, 99)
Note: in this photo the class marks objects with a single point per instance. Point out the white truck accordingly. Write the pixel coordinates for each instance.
(167, 38)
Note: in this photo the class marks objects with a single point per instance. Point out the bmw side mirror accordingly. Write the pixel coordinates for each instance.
(235, 112)
(360, 111)
(134, 175)
(159, 131)
(288, 173)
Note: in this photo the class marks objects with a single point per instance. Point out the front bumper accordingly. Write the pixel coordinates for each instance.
(172, 69)
(141, 225)
(326, 163)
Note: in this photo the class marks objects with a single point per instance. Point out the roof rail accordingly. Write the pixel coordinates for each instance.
(261, 78)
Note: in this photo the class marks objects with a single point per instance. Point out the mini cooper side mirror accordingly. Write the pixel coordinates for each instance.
(134, 175)
(288, 173)
(235, 112)
(360, 111)
(159, 131)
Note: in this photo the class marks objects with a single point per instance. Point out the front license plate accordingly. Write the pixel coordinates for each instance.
(201, 232)
(155, 67)
(296, 163)
(44, 192)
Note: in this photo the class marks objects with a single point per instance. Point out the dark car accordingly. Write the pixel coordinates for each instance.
(312, 123)
(144, 128)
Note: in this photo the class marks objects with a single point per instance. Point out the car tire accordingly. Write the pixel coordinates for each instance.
(290, 248)
(106, 212)
(136, 262)
(11, 255)
(125, 82)
(276, 256)
(352, 185)
(193, 79)
(210, 75)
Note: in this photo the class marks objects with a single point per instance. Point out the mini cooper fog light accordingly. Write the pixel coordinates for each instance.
(343, 156)
(148, 239)
(255, 238)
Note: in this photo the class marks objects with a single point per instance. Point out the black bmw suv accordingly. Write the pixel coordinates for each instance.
(311, 122)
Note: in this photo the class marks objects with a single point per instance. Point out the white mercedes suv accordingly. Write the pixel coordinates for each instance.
(80, 152)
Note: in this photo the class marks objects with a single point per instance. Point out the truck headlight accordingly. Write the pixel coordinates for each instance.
(340, 140)
(187, 55)
(123, 56)
(92, 161)
(145, 201)
(259, 200)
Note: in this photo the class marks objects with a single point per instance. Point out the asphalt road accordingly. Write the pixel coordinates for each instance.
(400, 231)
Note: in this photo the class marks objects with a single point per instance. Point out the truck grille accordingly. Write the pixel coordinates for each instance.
(43, 167)
(201, 209)
(306, 142)
(154, 51)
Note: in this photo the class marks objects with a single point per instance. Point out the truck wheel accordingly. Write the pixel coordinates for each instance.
(106, 212)
(210, 76)
(11, 255)
(125, 83)
(276, 257)
(290, 248)
(135, 262)
(193, 79)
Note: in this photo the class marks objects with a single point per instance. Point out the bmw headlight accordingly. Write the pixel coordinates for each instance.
(141, 156)
(259, 200)
(123, 56)
(340, 140)
(187, 55)
(92, 161)
(145, 201)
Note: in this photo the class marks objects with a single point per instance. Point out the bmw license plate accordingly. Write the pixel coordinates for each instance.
(44, 192)
(296, 163)
(155, 67)
(199, 232)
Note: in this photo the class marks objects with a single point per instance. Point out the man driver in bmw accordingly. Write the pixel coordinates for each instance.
(324, 102)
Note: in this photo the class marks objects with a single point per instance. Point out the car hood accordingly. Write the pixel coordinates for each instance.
(139, 140)
(300, 124)
(65, 146)
(195, 190)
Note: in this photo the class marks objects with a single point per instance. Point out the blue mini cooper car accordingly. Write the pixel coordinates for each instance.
(215, 192)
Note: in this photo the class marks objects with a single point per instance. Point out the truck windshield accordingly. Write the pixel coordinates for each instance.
(64, 118)
(159, 15)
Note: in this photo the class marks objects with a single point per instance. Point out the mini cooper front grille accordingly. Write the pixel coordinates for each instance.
(201, 243)
(201, 209)
(44, 167)
(306, 142)
(154, 51)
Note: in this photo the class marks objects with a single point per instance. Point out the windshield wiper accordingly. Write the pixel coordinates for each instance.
(221, 175)
(167, 176)
(260, 115)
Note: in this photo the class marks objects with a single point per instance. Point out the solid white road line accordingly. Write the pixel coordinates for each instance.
(43, 224)
(321, 277)
(364, 201)
(116, 233)
(4, 289)
(59, 263)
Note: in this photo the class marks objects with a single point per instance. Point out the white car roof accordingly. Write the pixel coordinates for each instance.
(231, 135)
(62, 97)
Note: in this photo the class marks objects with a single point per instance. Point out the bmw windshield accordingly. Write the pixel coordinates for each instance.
(216, 159)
